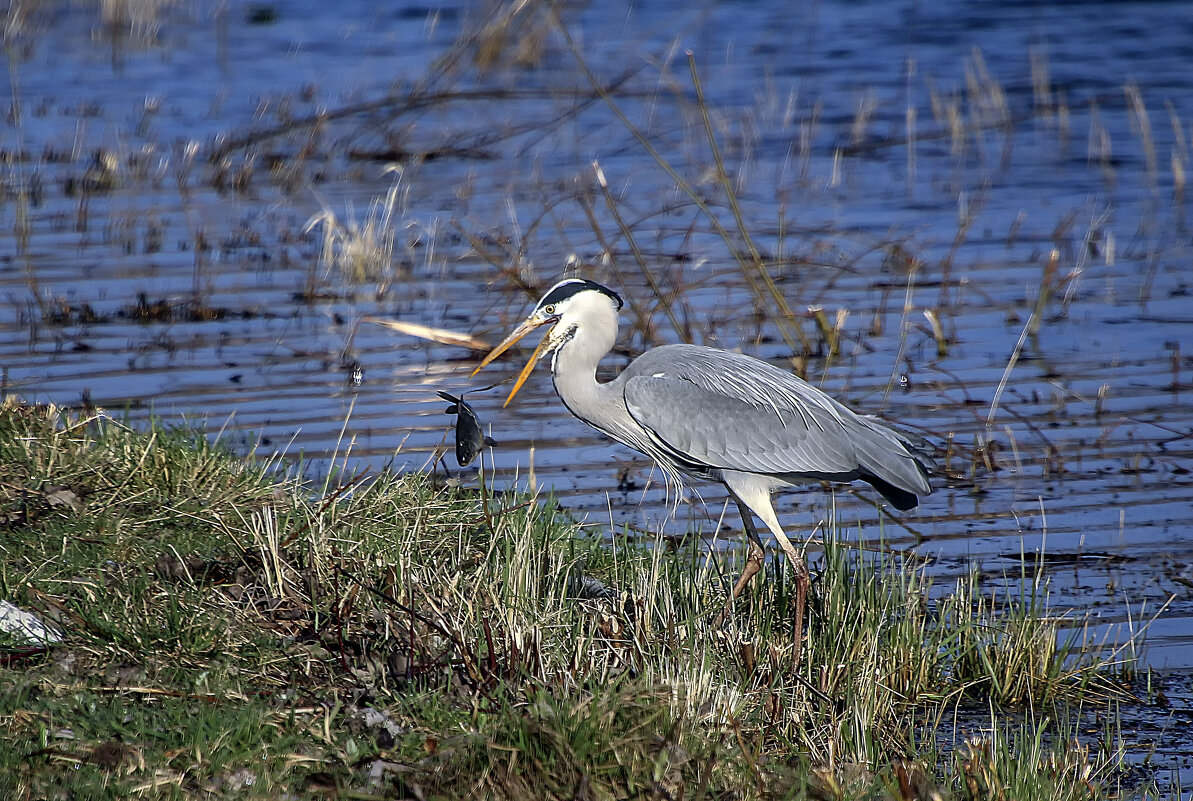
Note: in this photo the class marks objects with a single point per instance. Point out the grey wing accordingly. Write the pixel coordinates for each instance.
(712, 429)
(728, 410)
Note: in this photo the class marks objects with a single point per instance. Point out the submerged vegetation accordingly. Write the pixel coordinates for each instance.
(227, 633)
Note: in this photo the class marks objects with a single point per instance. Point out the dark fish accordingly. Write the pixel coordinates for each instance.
(469, 437)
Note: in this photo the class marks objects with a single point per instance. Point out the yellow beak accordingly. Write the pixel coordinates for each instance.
(527, 325)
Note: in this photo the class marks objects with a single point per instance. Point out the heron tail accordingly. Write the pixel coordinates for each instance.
(895, 463)
(901, 499)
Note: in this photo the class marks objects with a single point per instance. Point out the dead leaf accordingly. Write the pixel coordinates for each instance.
(64, 497)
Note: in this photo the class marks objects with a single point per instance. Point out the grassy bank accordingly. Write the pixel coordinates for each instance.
(227, 634)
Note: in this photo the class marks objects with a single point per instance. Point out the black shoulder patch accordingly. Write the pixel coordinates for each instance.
(566, 288)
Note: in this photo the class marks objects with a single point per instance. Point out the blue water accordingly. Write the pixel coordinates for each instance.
(968, 140)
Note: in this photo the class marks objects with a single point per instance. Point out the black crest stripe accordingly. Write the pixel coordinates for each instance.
(566, 289)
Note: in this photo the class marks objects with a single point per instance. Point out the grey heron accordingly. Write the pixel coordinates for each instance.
(716, 415)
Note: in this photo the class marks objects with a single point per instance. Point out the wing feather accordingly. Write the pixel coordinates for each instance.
(714, 429)
(725, 410)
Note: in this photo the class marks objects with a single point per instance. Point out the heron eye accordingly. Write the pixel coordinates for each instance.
(549, 308)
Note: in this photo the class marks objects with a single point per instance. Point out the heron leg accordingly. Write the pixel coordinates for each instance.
(803, 582)
(754, 562)
(755, 559)
(755, 498)
(755, 555)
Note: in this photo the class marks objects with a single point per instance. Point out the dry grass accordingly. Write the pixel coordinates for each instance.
(395, 638)
(362, 250)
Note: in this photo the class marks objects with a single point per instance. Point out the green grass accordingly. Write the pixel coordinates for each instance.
(231, 635)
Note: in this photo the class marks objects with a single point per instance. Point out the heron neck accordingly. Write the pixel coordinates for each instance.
(573, 369)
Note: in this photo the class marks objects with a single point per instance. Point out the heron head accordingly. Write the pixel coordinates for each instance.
(563, 307)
